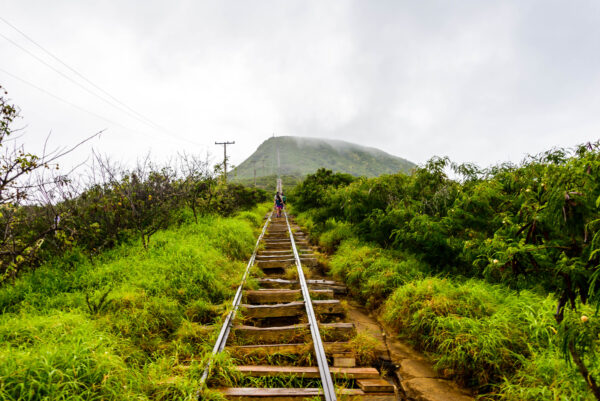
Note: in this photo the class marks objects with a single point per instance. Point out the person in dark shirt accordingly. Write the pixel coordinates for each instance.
(278, 203)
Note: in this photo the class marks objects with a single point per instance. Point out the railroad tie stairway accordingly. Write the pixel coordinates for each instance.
(271, 334)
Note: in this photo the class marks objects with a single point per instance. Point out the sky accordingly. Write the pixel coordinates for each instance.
(478, 81)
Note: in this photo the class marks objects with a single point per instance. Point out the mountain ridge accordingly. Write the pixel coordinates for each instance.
(299, 156)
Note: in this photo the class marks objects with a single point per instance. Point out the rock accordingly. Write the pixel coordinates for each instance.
(410, 368)
(431, 389)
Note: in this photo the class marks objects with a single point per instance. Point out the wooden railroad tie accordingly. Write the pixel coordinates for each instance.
(291, 394)
(279, 301)
(295, 308)
(282, 295)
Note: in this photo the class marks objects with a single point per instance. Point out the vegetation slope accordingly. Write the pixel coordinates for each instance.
(494, 275)
(111, 287)
(133, 323)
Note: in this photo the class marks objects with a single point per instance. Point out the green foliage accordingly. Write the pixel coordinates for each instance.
(106, 215)
(334, 233)
(533, 227)
(22, 237)
(64, 335)
(53, 214)
(482, 334)
(312, 191)
(64, 354)
(373, 273)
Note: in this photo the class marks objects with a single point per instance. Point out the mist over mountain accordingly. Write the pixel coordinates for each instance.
(298, 156)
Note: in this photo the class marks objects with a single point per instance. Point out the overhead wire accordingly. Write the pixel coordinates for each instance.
(79, 74)
(123, 108)
(101, 117)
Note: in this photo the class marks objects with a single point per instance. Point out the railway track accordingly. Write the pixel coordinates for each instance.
(292, 328)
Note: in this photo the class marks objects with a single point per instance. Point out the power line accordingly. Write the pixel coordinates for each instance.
(76, 106)
(133, 114)
(59, 98)
(80, 74)
(55, 69)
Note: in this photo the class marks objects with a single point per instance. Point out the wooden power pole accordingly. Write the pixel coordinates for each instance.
(225, 157)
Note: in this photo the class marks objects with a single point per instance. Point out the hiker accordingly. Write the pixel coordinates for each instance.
(278, 203)
(283, 198)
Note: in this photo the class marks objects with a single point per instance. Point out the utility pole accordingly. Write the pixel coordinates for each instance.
(254, 175)
(225, 157)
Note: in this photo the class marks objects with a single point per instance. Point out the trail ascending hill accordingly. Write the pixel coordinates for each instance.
(298, 156)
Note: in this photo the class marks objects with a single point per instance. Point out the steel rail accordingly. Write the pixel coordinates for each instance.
(226, 327)
(326, 380)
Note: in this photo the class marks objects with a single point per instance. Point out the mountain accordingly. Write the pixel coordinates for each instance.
(298, 156)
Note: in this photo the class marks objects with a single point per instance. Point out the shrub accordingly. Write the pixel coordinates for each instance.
(479, 333)
(155, 315)
(64, 356)
(334, 233)
(371, 272)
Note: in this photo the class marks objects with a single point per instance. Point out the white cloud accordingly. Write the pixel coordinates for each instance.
(478, 81)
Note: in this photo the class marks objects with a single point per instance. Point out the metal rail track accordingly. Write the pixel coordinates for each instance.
(226, 327)
(326, 380)
(324, 372)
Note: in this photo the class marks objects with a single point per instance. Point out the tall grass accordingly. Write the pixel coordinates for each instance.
(127, 325)
(488, 337)
(373, 273)
(501, 342)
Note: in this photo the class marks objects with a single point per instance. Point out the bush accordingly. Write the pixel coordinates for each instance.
(64, 356)
(479, 333)
(334, 233)
(146, 313)
(372, 273)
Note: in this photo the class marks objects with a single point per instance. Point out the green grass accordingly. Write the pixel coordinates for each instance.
(498, 341)
(487, 336)
(371, 272)
(123, 325)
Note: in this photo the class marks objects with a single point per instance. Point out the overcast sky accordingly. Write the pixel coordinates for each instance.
(479, 81)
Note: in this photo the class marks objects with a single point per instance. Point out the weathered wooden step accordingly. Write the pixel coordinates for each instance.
(377, 385)
(278, 245)
(271, 241)
(283, 263)
(309, 257)
(308, 372)
(339, 331)
(281, 296)
(275, 264)
(291, 349)
(295, 308)
(286, 255)
(337, 287)
(290, 394)
(277, 237)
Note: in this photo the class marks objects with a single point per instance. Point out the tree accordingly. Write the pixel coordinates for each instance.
(24, 226)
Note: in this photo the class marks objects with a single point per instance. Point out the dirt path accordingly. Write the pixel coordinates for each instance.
(413, 374)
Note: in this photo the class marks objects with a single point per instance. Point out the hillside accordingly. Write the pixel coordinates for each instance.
(299, 156)
(494, 274)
